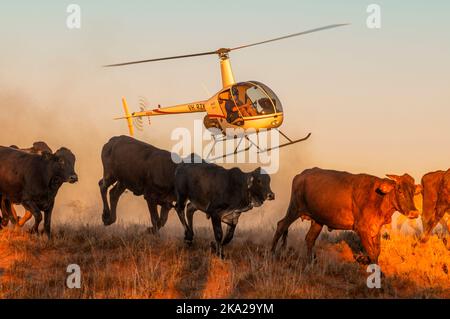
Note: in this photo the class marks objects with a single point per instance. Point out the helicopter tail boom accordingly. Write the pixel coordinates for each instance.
(177, 109)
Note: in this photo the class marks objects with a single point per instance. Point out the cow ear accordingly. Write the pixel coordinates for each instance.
(385, 187)
(395, 178)
(418, 189)
(250, 179)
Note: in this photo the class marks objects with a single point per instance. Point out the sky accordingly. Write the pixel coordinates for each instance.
(375, 100)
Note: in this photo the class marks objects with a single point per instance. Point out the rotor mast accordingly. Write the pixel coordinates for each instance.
(225, 68)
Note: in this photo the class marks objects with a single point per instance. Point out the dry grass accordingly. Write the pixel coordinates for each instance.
(126, 262)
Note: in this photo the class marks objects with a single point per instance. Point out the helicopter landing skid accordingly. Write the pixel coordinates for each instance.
(236, 151)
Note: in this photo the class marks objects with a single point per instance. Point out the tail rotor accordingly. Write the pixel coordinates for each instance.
(134, 120)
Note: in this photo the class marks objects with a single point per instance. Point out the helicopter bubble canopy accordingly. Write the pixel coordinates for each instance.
(255, 98)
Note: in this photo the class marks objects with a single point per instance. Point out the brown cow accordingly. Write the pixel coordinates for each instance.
(345, 201)
(436, 200)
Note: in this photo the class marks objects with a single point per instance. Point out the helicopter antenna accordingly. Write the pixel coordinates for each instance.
(223, 52)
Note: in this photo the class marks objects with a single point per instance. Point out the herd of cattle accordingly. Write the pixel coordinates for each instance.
(340, 200)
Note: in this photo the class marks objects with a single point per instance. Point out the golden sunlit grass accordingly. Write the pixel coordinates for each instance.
(127, 262)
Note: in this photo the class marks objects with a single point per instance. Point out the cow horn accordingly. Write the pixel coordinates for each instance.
(393, 177)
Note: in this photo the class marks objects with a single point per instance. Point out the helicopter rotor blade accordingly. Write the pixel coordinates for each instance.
(162, 59)
(226, 50)
(331, 26)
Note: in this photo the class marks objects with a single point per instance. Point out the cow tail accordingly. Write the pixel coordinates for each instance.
(296, 196)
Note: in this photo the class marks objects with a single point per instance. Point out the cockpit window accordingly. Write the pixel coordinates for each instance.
(259, 100)
(275, 100)
(248, 99)
(254, 98)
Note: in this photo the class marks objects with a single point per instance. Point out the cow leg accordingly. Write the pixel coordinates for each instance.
(11, 212)
(104, 184)
(446, 225)
(371, 246)
(48, 219)
(153, 209)
(430, 225)
(181, 205)
(32, 207)
(311, 236)
(5, 215)
(283, 225)
(229, 235)
(24, 219)
(218, 233)
(114, 195)
(164, 214)
(190, 210)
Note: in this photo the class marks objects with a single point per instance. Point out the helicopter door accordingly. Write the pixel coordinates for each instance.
(228, 105)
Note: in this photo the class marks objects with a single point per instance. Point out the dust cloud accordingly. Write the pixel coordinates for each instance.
(62, 122)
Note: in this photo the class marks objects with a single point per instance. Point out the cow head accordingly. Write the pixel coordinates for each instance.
(402, 190)
(259, 187)
(64, 162)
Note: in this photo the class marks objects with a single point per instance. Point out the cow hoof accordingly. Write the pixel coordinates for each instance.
(106, 218)
(43, 233)
(107, 222)
(188, 242)
(152, 230)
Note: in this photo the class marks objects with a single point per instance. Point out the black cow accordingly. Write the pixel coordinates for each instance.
(223, 194)
(8, 211)
(33, 180)
(346, 201)
(144, 170)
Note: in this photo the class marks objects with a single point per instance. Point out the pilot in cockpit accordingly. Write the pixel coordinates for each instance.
(231, 106)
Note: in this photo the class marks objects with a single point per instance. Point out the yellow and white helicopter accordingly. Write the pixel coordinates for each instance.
(243, 107)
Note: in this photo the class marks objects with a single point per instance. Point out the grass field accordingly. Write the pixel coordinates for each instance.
(124, 261)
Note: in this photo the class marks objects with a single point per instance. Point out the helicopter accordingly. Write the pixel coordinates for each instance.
(236, 111)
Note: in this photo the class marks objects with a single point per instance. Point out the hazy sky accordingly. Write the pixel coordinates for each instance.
(376, 100)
